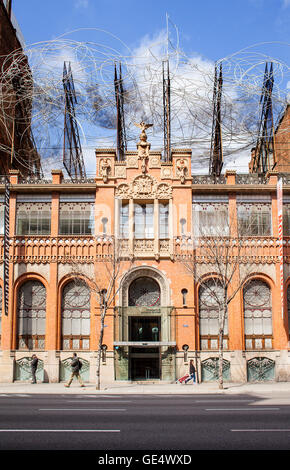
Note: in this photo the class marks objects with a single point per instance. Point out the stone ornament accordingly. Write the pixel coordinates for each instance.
(154, 161)
(105, 169)
(120, 171)
(164, 191)
(132, 161)
(182, 169)
(143, 146)
(123, 191)
(166, 172)
(144, 186)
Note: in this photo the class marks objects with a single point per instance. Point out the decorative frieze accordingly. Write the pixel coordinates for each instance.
(144, 187)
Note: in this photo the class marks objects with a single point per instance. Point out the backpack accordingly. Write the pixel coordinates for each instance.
(80, 365)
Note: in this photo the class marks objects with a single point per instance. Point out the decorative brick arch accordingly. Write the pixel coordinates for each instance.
(144, 271)
(19, 283)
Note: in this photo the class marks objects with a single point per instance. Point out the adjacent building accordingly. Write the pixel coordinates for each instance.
(17, 146)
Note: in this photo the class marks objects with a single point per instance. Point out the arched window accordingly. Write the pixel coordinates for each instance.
(75, 316)
(144, 292)
(31, 313)
(211, 295)
(258, 315)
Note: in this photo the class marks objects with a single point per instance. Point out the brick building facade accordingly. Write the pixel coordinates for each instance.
(161, 317)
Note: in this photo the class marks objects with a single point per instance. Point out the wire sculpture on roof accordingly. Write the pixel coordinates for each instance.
(100, 122)
(72, 150)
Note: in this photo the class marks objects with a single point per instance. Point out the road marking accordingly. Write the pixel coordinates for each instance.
(221, 400)
(82, 409)
(260, 430)
(60, 430)
(98, 396)
(242, 409)
(99, 401)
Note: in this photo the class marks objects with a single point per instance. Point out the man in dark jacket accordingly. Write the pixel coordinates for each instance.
(75, 367)
(33, 365)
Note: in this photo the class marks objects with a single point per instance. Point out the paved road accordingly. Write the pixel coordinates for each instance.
(143, 422)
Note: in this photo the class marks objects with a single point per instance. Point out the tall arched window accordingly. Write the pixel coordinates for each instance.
(75, 315)
(211, 295)
(31, 313)
(144, 292)
(258, 315)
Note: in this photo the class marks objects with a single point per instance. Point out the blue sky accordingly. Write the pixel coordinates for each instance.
(211, 28)
(208, 30)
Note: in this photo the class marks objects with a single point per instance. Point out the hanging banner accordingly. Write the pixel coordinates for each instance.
(6, 245)
(280, 235)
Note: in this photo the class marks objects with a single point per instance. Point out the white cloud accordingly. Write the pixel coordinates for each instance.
(81, 3)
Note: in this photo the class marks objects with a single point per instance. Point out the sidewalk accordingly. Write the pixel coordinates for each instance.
(120, 388)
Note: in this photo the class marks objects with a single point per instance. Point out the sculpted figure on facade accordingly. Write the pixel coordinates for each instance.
(181, 169)
(143, 146)
(105, 169)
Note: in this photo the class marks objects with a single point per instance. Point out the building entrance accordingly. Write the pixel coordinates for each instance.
(144, 362)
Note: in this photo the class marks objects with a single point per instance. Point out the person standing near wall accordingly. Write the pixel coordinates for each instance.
(34, 364)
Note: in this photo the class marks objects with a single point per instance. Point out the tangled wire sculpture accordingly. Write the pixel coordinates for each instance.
(38, 73)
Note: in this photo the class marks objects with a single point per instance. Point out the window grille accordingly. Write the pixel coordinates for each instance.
(31, 315)
(33, 218)
(286, 220)
(75, 313)
(144, 292)
(211, 295)
(257, 315)
(76, 218)
(254, 219)
(210, 219)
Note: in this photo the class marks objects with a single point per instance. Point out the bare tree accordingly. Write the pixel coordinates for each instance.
(105, 284)
(219, 256)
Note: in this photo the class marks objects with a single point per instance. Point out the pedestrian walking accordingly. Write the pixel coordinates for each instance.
(33, 365)
(191, 373)
(76, 366)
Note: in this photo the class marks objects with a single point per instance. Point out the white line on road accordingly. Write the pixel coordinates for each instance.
(260, 430)
(223, 400)
(82, 409)
(97, 396)
(60, 430)
(99, 401)
(241, 409)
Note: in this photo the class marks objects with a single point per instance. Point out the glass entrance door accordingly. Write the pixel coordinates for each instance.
(144, 363)
(144, 328)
